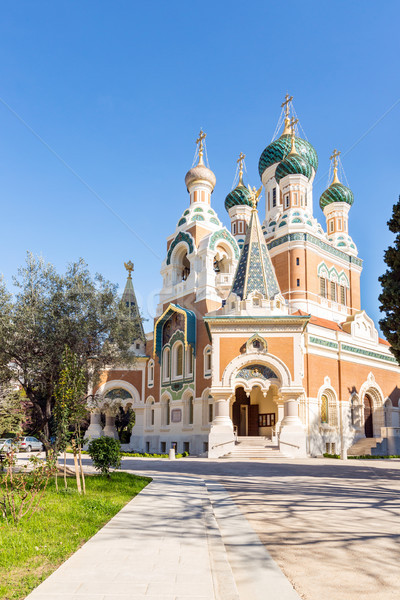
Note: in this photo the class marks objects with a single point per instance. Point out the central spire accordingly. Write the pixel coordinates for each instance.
(199, 141)
(255, 272)
(286, 106)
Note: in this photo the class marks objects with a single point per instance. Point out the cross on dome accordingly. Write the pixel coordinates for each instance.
(199, 141)
(286, 106)
(293, 122)
(335, 160)
(240, 162)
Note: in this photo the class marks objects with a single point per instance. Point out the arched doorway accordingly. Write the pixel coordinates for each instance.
(255, 414)
(368, 421)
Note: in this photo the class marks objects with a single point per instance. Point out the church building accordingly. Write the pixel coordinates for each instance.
(260, 331)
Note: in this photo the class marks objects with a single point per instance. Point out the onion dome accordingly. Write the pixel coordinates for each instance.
(336, 192)
(293, 165)
(200, 173)
(240, 195)
(278, 149)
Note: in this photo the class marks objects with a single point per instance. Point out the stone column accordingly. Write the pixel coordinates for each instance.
(137, 441)
(110, 429)
(281, 413)
(221, 438)
(292, 435)
(95, 429)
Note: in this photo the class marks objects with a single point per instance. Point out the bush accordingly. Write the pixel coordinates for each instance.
(105, 453)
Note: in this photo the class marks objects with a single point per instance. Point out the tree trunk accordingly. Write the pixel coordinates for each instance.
(65, 470)
(81, 470)
(78, 478)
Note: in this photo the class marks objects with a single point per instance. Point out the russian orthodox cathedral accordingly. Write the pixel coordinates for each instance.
(259, 330)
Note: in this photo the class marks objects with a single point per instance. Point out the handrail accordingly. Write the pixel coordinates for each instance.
(288, 444)
(223, 443)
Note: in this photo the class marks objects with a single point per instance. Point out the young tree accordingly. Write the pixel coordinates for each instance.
(50, 311)
(390, 281)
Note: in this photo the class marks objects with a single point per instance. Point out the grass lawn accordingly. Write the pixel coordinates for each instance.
(65, 520)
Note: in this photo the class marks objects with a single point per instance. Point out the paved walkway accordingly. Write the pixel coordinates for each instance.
(181, 538)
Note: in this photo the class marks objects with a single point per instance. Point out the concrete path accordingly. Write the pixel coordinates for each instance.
(176, 540)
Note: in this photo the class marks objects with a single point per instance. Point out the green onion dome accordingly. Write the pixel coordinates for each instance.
(239, 196)
(293, 165)
(336, 192)
(278, 149)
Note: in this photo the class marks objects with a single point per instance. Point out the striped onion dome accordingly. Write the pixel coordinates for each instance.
(293, 165)
(278, 149)
(239, 196)
(336, 192)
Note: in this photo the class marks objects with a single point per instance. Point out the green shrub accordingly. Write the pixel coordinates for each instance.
(105, 453)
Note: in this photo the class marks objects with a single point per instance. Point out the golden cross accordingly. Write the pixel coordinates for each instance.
(202, 136)
(240, 161)
(293, 122)
(285, 104)
(129, 268)
(334, 157)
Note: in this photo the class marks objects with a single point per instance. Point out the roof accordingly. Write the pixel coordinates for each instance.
(326, 323)
(189, 332)
(255, 272)
(129, 298)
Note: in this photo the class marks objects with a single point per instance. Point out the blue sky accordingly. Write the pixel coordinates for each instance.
(119, 90)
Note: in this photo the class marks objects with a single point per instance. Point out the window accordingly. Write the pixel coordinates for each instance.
(287, 201)
(163, 447)
(167, 413)
(343, 295)
(177, 360)
(305, 200)
(297, 261)
(298, 283)
(331, 226)
(234, 228)
(295, 199)
(147, 447)
(322, 287)
(339, 224)
(207, 361)
(152, 416)
(186, 447)
(210, 413)
(166, 363)
(333, 291)
(266, 420)
(269, 206)
(324, 409)
(302, 200)
(150, 374)
(274, 197)
(190, 407)
(189, 360)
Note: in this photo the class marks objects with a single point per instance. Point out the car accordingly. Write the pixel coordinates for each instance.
(30, 444)
(5, 444)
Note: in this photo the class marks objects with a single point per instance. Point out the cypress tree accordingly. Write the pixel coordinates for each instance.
(390, 281)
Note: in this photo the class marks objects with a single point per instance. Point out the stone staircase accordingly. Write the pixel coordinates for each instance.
(254, 448)
(364, 446)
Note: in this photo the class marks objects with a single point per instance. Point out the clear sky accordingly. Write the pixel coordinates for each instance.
(119, 90)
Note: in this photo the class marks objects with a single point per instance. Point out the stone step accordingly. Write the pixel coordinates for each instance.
(363, 446)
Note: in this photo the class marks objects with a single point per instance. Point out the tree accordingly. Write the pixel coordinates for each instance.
(50, 311)
(13, 410)
(70, 410)
(390, 281)
(105, 453)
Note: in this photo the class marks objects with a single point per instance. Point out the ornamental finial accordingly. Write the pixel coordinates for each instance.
(335, 160)
(199, 141)
(286, 106)
(129, 268)
(240, 162)
(254, 196)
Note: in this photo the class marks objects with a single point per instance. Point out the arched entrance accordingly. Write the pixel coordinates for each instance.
(368, 421)
(254, 414)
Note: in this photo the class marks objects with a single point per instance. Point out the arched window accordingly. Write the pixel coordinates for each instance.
(207, 361)
(177, 360)
(167, 412)
(150, 374)
(189, 361)
(166, 364)
(190, 410)
(329, 408)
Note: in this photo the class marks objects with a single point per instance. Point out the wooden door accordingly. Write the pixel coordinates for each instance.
(368, 423)
(253, 419)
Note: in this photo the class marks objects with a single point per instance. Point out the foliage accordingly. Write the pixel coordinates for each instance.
(21, 494)
(30, 552)
(390, 281)
(105, 453)
(363, 456)
(13, 410)
(48, 312)
(124, 421)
